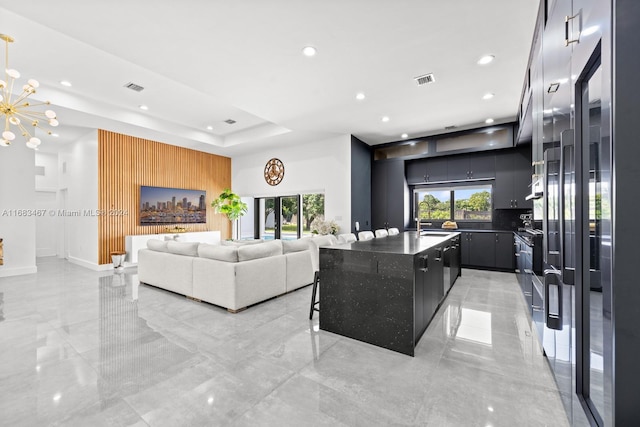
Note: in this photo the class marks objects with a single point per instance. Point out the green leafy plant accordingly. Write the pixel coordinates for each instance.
(229, 204)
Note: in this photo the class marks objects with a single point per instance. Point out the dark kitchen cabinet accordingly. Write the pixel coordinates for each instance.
(504, 251)
(471, 166)
(478, 249)
(429, 292)
(427, 170)
(483, 249)
(388, 188)
(513, 179)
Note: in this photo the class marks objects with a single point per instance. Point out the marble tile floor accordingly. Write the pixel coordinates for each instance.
(85, 348)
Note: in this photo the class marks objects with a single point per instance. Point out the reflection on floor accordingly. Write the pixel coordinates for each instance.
(84, 348)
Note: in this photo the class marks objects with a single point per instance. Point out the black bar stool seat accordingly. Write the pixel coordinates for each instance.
(314, 303)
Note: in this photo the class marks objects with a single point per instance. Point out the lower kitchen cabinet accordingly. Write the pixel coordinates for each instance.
(504, 251)
(429, 287)
(492, 250)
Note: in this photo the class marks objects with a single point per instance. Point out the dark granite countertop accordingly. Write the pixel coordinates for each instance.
(475, 230)
(406, 243)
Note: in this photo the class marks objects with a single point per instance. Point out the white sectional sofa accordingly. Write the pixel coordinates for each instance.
(232, 275)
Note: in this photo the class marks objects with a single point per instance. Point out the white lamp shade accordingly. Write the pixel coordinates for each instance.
(14, 74)
(3, 84)
(33, 82)
(14, 120)
(4, 143)
(53, 122)
(8, 135)
(50, 114)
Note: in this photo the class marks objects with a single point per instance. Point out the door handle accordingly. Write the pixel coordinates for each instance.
(568, 41)
(566, 151)
(553, 320)
(425, 263)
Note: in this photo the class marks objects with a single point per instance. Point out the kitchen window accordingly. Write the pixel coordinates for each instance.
(457, 203)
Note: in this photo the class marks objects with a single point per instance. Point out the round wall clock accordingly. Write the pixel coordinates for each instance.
(274, 171)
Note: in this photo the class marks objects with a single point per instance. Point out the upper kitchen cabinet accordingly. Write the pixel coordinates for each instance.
(388, 190)
(427, 170)
(471, 166)
(557, 44)
(513, 179)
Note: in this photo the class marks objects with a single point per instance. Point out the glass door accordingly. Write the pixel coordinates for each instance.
(289, 226)
(268, 218)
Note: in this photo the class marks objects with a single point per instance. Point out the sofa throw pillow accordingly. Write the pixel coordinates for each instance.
(157, 245)
(289, 246)
(183, 248)
(238, 243)
(263, 250)
(218, 252)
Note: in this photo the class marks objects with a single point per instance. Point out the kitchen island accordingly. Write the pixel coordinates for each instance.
(386, 290)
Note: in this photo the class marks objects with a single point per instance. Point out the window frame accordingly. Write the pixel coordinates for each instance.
(452, 188)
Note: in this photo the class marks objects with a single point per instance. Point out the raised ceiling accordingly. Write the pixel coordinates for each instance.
(203, 62)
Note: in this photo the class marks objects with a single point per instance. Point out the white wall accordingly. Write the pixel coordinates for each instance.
(46, 201)
(78, 169)
(321, 166)
(17, 183)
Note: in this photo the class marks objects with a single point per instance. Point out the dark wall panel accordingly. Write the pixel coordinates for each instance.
(360, 184)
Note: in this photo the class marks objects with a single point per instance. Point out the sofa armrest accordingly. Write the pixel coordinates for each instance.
(165, 270)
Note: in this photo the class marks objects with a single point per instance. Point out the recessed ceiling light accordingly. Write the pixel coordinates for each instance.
(488, 121)
(385, 119)
(66, 83)
(309, 51)
(143, 107)
(209, 127)
(360, 96)
(404, 135)
(486, 59)
(488, 96)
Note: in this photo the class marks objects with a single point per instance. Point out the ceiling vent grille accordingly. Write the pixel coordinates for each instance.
(423, 80)
(134, 86)
(450, 127)
(230, 121)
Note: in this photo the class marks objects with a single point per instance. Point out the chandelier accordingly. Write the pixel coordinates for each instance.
(16, 111)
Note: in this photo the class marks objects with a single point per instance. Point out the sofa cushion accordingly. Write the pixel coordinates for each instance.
(157, 245)
(241, 242)
(262, 250)
(218, 252)
(183, 248)
(289, 246)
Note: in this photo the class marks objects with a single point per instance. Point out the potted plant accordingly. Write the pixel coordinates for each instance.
(230, 204)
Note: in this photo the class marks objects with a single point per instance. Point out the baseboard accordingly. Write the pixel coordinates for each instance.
(90, 265)
(42, 252)
(17, 271)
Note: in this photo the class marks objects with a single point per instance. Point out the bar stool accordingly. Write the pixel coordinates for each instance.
(314, 303)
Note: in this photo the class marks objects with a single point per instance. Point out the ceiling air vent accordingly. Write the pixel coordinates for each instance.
(134, 86)
(450, 127)
(423, 80)
(230, 121)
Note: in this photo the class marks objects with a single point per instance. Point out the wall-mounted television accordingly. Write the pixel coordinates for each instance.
(161, 205)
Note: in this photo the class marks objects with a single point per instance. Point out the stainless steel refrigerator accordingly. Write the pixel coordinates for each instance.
(577, 244)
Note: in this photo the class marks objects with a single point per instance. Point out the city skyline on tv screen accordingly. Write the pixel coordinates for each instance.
(162, 205)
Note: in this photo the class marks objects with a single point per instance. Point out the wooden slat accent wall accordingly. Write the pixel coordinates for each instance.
(125, 163)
